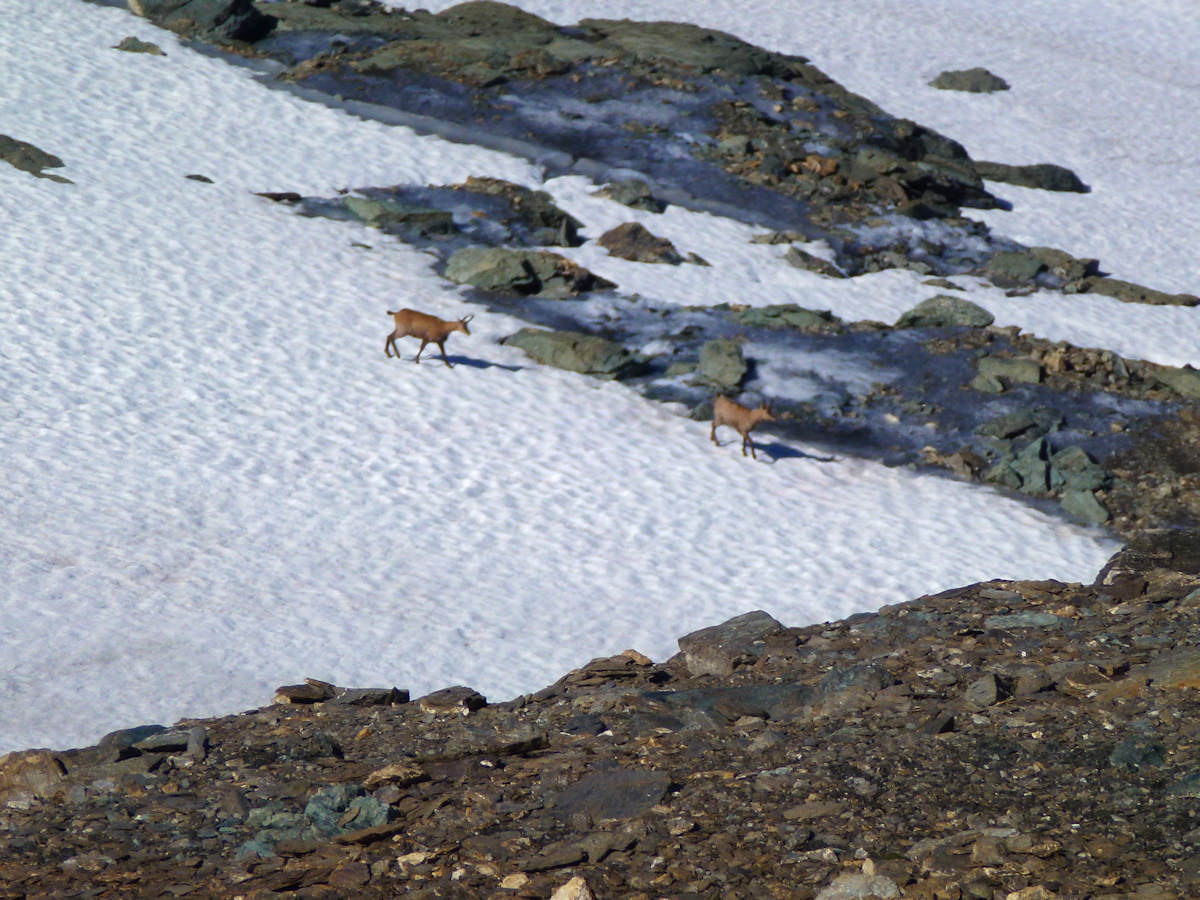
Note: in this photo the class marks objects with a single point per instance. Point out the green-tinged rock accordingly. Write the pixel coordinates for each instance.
(390, 214)
(788, 315)
(1076, 471)
(1137, 753)
(227, 20)
(1044, 176)
(576, 352)
(700, 49)
(1011, 368)
(1083, 505)
(987, 384)
(974, 81)
(326, 808)
(943, 311)
(802, 259)
(31, 159)
(1024, 620)
(537, 272)
(1065, 266)
(1032, 465)
(1185, 787)
(1184, 381)
(1013, 268)
(1002, 474)
(722, 363)
(1129, 292)
(680, 368)
(134, 45)
(1009, 425)
(535, 210)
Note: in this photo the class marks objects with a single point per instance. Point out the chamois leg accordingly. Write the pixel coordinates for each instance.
(417, 359)
(389, 344)
(713, 434)
(746, 442)
(442, 346)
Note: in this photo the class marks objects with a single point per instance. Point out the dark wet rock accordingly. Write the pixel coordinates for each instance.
(135, 45)
(1129, 292)
(633, 193)
(576, 352)
(802, 259)
(975, 81)
(222, 20)
(527, 272)
(1045, 176)
(944, 311)
(720, 649)
(536, 211)
(31, 159)
(722, 364)
(203, 179)
(788, 315)
(635, 242)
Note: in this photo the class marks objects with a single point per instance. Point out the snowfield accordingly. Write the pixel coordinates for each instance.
(214, 482)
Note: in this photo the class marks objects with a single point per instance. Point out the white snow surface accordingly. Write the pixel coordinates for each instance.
(214, 482)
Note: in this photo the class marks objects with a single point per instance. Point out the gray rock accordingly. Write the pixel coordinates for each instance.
(983, 692)
(1009, 425)
(1065, 266)
(788, 315)
(31, 159)
(1013, 268)
(1044, 176)
(868, 676)
(635, 242)
(1074, 470)
(987, 384)
(1129, 292)
(975, 81)
(458, 698)
(1183, 381)
(134, 45)
(1185, 787)
(1008, 622)
(1033, 466)
(576, 352)
(860, 886)
(1083, 504)
(722, 363)
(1011, 368)
(535, 210)
(229, 20)
(530, 272)
(403, 216)
(165, 742)
(942, 311)
(633, 193)
(719, 649)
(802, 259)
(312, 691)
(1136, 753)
(120, 744)
(615, 793)
(371, 696)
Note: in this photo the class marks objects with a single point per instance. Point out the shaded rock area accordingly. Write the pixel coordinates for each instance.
(1011, 739)
(635, 242)
(28, 158)
(528, 272)
(584, 353)
(221, 20)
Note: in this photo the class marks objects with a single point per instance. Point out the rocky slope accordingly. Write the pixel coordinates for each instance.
(1019, 740)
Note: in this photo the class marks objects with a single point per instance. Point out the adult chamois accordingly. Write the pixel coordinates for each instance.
(430, 329)
(740, 418)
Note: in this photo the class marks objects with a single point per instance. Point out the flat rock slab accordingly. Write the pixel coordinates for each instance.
(616, 793)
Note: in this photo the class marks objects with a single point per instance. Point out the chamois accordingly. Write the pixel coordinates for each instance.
(736, 416)
(430, 329)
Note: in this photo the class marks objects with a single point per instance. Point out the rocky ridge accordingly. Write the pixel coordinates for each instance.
(1015, 740)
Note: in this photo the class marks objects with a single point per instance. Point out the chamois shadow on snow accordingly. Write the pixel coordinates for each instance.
(469, 361)
(777, 451)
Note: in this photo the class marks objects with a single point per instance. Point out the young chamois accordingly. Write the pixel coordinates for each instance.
(430, 329)
(736, 416)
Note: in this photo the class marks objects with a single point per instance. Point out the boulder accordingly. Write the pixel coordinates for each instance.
(802, 259)
(634, 242)
(719, 649)
(584, 353)
(31, 159)
(403, 217)
(530, 272)
(1065, 266)
(943, 311)
(29, 773)
(974, 81)
(228, 20)
(633, 193)
(1045, 176)
(1019, 368)
(1184, 381)
(1013, 268)
(722, 363)
(1083, 505)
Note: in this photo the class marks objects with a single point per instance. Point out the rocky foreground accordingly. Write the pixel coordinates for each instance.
(1019, 740)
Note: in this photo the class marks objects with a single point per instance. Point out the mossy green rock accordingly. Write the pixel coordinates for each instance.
(1184, 381)
(576, 352)
(1019, 368)
(385, 213)
(1083, 505)
(722, 363)
(787, 315)
(537, 272)
(943, 311)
